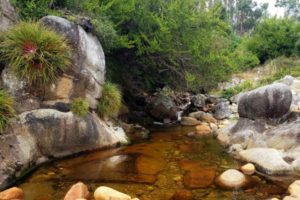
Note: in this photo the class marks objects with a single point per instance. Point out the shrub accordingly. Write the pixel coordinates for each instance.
(80, 107)
(32, 9)
(274, 37)
(6, 109)
(35, 52)
(110, 102)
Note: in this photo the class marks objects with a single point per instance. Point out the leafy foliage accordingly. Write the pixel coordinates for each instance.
(80, 107)
(6, 109)
(32, 9)
(110, 102)
(275, 37)
(35, 52)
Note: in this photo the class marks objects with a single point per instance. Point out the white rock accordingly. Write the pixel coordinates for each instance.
(106, 193)
(294, 189)
(248, 169)
(269, 160)
(232, 178)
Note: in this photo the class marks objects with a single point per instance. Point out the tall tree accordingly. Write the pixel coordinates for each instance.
(292, 7)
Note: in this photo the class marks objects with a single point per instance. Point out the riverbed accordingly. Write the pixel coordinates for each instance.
(155, 168)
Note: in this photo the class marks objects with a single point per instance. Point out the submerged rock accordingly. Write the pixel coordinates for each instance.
(267, 160)
(106, 193)
(78, 191)
(199, 178)
(203, 130)
(271, 101)
(183, 195)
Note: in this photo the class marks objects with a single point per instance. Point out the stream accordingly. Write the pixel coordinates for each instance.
(154, 169)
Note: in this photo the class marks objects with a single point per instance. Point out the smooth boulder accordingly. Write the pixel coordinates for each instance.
(8, 15)
(35, 137)
(271, 101)
(222, 110)
(267, 160)
(88, 64)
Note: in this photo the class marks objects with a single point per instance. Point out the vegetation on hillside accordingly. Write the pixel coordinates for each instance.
(6, 109)
(34, 52)
(189, 45)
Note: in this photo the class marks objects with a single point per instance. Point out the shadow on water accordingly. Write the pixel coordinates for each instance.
(154, 169)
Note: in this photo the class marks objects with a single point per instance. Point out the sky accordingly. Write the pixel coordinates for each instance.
(272, 9)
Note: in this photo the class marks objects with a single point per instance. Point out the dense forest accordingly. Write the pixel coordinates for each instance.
(191, 41)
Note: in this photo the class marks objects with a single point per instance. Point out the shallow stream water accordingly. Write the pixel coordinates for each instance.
(154, 169)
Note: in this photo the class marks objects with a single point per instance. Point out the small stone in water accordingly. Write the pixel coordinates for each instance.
(248, 169)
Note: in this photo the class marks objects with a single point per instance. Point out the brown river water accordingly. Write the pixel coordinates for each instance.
(154, 169)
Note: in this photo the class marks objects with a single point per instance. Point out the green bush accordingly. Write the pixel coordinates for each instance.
(35, 53)
(275, 37)
(6, 109)
(32, 9)
(80, 107)
(244, 59)
(110, 102)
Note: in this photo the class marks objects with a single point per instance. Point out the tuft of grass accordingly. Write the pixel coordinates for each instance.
(35, 53)
(80, 107)
(6, 109)
(110, 102)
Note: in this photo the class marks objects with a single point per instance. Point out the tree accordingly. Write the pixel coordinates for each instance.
(292, 7)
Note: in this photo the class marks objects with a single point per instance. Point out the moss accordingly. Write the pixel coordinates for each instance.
(110, 102)
(6, 109)
(35, 52)
(80, 107)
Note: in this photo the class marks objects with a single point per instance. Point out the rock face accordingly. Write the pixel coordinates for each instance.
(267, 160)
(8, 16)
(271, 101)
(42, 134)
(88, 63)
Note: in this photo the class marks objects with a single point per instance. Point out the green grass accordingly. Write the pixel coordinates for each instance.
(245, 86)
(6, 109)
(110, 102)
(80, 107)
(35, 53)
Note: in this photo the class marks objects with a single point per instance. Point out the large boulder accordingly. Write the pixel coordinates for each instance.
(39, 135)
(8, 15)
(161, 107)
(267, 160)
(271, 101)
(88, 63)
(222, 110)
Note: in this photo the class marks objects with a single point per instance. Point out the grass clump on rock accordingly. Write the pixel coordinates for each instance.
(110, 102)
(80, 107)
(34, 52)
(6, 109)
